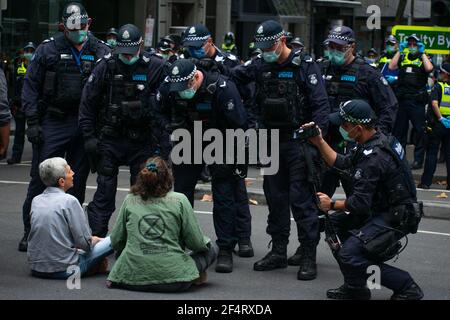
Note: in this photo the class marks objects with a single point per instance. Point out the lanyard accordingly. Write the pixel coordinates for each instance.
(77, 56)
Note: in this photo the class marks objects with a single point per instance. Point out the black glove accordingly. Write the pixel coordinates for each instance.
(34, 133)
(91, 148)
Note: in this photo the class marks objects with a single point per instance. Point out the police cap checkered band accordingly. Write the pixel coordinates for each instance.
(174, 79)
(340, 37)
(259, 38)
(129, 44)
(349, 118)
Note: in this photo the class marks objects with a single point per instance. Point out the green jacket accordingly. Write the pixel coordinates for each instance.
(152, 236)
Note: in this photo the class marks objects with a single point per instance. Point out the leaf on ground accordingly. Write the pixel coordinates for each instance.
(207, 198)
(443, 195)
(253, 202)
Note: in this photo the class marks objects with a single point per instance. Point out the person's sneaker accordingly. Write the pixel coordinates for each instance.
(413, 292)
(12, 161)
(423, 186)
(245, 248)
(224, 261)
(23, 244)
(346, 292)
(203, 277)
(296, 258)
(416, 166)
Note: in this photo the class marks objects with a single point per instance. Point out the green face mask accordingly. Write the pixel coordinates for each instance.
(187, 94)
(346, 135)
(326, 54)
(112, 42)
(272, 56)
(337, 58)
(165, 56)
(390, 49)
(128, 62)
(28, 56)
(77, 37)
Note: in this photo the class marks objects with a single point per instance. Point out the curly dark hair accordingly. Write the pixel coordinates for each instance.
(154, 181)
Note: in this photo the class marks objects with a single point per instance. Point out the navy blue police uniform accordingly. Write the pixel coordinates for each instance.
(216, 104)
(288, 94)
(51, 98)
(117, 121)
(381, 208)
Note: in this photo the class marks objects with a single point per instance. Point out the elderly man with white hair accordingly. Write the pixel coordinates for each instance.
(60, 236)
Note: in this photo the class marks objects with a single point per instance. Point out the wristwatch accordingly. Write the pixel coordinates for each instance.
(332, 205)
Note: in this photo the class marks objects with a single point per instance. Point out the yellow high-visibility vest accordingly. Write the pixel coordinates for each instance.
(444, 106)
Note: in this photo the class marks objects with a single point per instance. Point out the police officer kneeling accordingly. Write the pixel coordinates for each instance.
(381, 209)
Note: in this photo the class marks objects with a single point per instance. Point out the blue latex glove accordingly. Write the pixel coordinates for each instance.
(391, 79)
(446, 122)
(421, 47)
(403, 46)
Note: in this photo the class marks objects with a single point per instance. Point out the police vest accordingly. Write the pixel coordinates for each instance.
(444, 106)
(283, 104)
(65, 80)
(397, 185)
(22, 69)
(411, 73)
(341, 86)
(185, 112)
(126, 108)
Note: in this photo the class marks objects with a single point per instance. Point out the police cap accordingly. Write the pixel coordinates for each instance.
(268, 33)
(30, 45)
(341, 35)
(112, 31)
(129, 40)
(414, 37)
(180, 73)
(353, 111)
(74, 16)
(445, 67)
(391, 39)
(196, 36)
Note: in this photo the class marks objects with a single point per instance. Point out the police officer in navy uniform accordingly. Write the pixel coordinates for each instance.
(290, 90)
(51, 99)
(201, 49)
(16, 103)
(111, 37)
(117, 121)
(381, 208)
(190, 96)
(413, 66)
(350, 77)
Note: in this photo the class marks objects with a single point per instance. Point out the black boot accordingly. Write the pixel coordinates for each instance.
(275, 259)
(308, 266)
(346, 292)
(23, 244)
(413, 292)
(245, 248)
(224, 261)
(296, 258)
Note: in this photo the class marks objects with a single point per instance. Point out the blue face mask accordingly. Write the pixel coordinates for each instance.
(198, 53)
(346, 135)
(77, 37)
(390, 49)
(128, 62)
(187, 94)
(337, 58)
(271, 56)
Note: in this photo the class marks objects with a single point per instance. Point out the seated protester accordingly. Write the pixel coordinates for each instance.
(60, 236)
(152, 231)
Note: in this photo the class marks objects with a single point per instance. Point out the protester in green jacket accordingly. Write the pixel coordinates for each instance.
(153, 230)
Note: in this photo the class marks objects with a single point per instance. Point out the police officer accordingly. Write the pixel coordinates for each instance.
(372, 57)
(166, 50)
(51, 98)
(16, 103)
(289, 91)
(118, 94)
(229, 44)
(440, 127)
(188, 97)
(414, 67)
(111, 37)
(206, 56)
(386, 57)
(297, 44)
(5, 116)
(350, 77)
(381, 209)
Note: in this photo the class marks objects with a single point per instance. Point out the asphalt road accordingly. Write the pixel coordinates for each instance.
(427, 258)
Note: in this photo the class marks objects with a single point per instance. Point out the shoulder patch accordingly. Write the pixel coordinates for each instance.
(358, 174)
(230, 105)
(313, 79)
(91, 78)
(146, 59)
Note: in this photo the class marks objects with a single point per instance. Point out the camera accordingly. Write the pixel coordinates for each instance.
(305, 134)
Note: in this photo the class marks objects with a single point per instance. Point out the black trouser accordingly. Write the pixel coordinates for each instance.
(231, 212)
(114, 152)
(353, 259)
(288, 190)
(186, 177)
(19, 136)
(203, 261)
